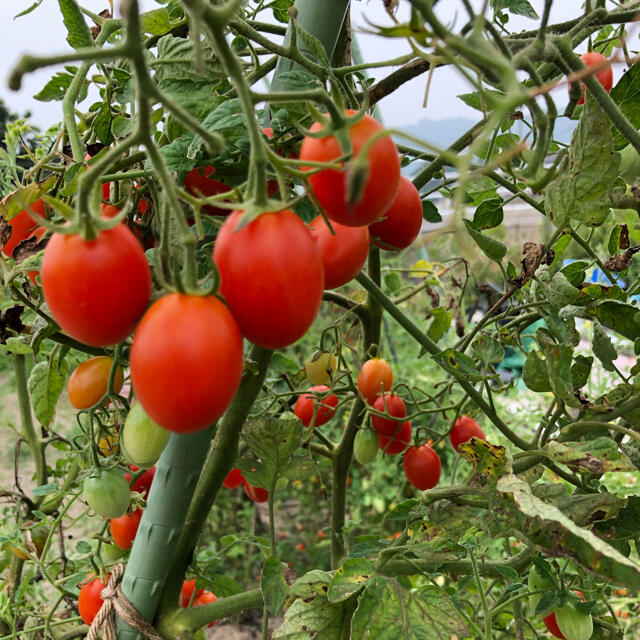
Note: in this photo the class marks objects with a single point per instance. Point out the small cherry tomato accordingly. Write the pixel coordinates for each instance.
(320, 367)
(343, 253)
(398, 443)
(604, 76)
(96, 289)
(199, 183)
(89, 600)
(256, 494)
(124, 529)
(464, 429)
(107, 493)
(375, 377)
(394, 406)
(330, 186)
(422, 467)
(233, 480)
(401, 222)
(142, 439)
(365, 446)
(186, 593)
(205, 598)
(306, 406)
(90, 379)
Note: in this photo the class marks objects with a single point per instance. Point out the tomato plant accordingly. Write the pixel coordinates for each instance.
(463, 430)
(375, 377)
(89, 600)
(107, 493)
(202, 344)
(90, 380)
(96, 289)
(330, 186)
(343, 252)
(422, 467)
(568, 623)
(271, 276)
(123, 529)
(142, 439)
(316, 411)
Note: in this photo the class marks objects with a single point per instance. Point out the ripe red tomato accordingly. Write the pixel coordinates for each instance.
(188, 587)
(124, 529)
(551, 622)
(143, 483)
(305, 407)
(89, 600)
(24, 227)
(604, 76)
(233, 480)
(96, 289)
(393, 405)
(186, 361)
(199, 183)
(90, 380)
(343, 255)
(402, 221)
(464, 429)
(205, 598)
(271, 276)
(422, 467)
(375, 377)
(256, 494)
(398, 443)
(330, 186)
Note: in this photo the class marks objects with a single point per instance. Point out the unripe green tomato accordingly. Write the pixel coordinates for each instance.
(142, 439)
(365, 446)
(320, 367)
(112, 552)
(629, 164)
(574, 624)
(107, 493)
(536, 583)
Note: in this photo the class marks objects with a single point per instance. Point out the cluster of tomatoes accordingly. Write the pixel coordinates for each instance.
(235, 478)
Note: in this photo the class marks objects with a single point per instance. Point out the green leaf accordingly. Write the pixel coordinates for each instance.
(102, 124)
(175, 154)
(626, 94)
(18, 346)
(484, 101)
(46, 382)
(156, 22)
(618, 316)
(594, 456)
(45, 489)
(29, 9)
(312, 48)
(581, 370)
(581, 192)
(547, 602)
(603, 348)
(488, 349)
(440, 323)
(458, 364)
(392, 282)
(56, 88)
(507, 573)
(350, 578)
(489, 214)
(79, 34)
(430, 212)
(518, 7)
(575, 272)
(492, 248)
(561, 291)
(387, 611)
(273, 585)
(613, 245)
(558, 362)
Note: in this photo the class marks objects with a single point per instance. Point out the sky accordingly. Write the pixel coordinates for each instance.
(42, 32)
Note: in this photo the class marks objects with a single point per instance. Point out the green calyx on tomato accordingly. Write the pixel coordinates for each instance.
(142, 440)
(107, 493)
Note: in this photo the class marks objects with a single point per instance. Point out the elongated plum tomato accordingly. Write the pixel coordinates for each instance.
(193, 339)
(375, 377)
(96, 289)
(256, 494)
(343, 255)
(570, 616)
(270, 275)
(200, 184)
(398, 443)
(604, 76)
(463, 430)
(205, 598)
(306, 406)
(124, 529)
(422, 467)
(330, 186)
(186, 593)
(90, 381)
(233, 479)
(89, 599)
(392, 405)
(142, 439)
(24, 227)
(107, 493)
(401, 222)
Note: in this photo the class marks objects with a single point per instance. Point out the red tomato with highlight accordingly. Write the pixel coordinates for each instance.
(124, 529)
(401, 222)
(89, 600)
(343, 254)
(24, 227)
(604, 76)
(330, 186)
(375, 377)
(205, 598)
(199, 183)
(256, 494)
(422, 467)
(464, 429)
(306, 405)
(188, 587)
(271, 276)
(194, 340)
(398, 443)
(394, 406)
(233, 480)
(96, 289)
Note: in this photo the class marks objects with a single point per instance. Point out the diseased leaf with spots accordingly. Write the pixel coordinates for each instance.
(488, 460)
(594, 456)
(350, 578)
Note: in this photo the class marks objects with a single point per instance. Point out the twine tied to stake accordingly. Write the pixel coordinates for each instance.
(116, 603)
